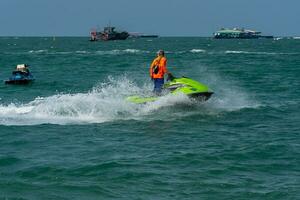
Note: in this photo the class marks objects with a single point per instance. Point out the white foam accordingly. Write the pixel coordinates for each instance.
(228, 95)
(82, 52)
(132, 51)
(38, 51)
(166, 101)
(119, 52)
(105, 102)
(100, 52)
(257, 53)
(197, 51)
(235, 52)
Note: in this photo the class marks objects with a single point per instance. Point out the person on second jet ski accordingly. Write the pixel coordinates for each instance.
(22, 68)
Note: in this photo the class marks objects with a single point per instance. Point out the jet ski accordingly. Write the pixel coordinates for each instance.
(184, 85)
(20, 76)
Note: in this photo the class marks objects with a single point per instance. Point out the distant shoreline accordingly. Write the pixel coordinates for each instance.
(89, 36)
(3, 36)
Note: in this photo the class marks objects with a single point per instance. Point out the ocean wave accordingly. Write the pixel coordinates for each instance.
(139, 51)
(38, 51)
(236, 52)
(133, 51)
(260, 53)
(101, 52)
(197, 51)
(249, 52)
(124, 51)
(81, 52)
(61, 52)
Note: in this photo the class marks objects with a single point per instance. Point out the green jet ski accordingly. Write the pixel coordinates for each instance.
(191, 88)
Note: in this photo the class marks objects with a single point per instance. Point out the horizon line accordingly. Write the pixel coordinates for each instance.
(89, 36)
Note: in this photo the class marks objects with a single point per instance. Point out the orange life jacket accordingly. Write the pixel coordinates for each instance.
(158, 67)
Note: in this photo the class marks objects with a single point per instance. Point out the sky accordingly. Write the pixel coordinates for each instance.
(162, 17)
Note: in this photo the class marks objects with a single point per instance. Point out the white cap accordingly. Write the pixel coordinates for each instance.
(21, 66)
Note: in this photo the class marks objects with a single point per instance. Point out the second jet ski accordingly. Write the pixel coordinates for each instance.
(21, 75)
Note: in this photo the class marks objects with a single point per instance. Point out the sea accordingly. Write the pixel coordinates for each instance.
(71, 134)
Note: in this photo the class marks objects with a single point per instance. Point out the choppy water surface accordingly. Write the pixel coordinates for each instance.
(72, 135)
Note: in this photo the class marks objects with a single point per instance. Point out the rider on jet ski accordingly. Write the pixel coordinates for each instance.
(158, 69)
(23, 68)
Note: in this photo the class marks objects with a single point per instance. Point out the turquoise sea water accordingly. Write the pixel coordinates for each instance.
(71, 134)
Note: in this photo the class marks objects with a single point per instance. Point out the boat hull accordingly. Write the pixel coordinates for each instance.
(202, 96)
(20, 78)
(19, 82)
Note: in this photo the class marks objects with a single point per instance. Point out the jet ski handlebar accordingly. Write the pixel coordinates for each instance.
(170, 77)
